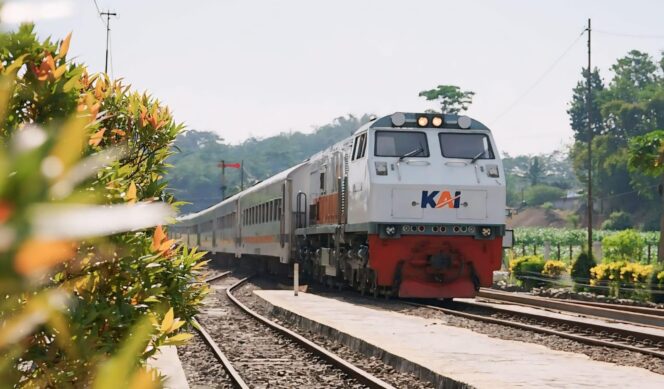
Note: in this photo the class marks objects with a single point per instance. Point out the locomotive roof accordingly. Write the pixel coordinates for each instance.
(449, 121)
(277, 177)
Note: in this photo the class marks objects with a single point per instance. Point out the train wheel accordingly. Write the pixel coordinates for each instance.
(373, 277)
(363, 281)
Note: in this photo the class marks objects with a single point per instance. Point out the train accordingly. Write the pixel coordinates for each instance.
(411, 205)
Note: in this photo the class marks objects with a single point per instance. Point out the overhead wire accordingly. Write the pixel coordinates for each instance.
(628, 35)
(540, 79)
(99, 12)
(110, 52)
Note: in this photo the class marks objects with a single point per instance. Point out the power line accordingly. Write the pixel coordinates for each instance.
(540, 79)
(108, 15)
(98, 11)
(110, 53)
(628, 35)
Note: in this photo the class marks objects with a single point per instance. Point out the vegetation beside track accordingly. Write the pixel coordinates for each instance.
(90, 288)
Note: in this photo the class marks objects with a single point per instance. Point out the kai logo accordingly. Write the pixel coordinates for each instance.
(440, 199)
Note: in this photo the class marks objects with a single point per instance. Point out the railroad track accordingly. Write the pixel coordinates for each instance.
(623, 313)
(587, 333)
(260, 353)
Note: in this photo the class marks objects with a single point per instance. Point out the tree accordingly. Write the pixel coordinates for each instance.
(631, 105)
(535, 172)
(646, 154)
(450, 97)
(578, 108)
(633, 73)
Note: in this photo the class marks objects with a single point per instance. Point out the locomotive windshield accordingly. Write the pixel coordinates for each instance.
(401, 143)
(466, 146)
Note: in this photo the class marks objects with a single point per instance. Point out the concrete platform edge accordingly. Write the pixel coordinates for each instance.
(169, 365)
(397, 362)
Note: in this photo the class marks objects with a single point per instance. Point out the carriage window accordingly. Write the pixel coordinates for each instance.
(357, 139)
(466, 146)
(360, 147)
(400, 143)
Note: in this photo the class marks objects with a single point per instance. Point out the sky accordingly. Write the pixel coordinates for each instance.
(248, 68)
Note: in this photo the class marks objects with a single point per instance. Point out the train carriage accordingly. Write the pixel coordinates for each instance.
(411, 205)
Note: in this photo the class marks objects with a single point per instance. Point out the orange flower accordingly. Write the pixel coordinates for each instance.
(35, 255)
(130, 197)
(159, 242)
(5, 211)
(45, 69)
(96, 138)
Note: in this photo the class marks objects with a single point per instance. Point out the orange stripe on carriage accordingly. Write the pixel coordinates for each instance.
(259, 239)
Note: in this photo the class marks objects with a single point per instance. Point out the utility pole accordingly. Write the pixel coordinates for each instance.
(108, 15)
(241, 175)
(222, 164)
(590, 149)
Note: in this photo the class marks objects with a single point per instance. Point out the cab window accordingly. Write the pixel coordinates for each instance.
(465, 146)
(401, 143)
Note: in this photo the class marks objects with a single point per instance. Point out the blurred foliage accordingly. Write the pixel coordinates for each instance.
(580, 270)
(527, 270)
(623, 246)
(566, 243)
(554, 269)
(618, 220)
(88, 295)
(524, 171)
(540, 194)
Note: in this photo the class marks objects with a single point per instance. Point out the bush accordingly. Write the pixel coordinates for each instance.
(617, 221)
(527, 270)
(540, 194)
(656, 283)
(623, 246)
(580, 270)
(554, 269)
(88, 294)
(623, 279)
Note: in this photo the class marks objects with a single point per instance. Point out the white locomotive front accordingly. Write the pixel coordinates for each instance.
(412, 205)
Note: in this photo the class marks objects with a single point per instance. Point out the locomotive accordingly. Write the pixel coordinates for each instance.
(411, 205)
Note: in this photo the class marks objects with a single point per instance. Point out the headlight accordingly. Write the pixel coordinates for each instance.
(398, 119)
(381, 168)
(422, 121)
(390, 230)
(464, 122)
(437, 121)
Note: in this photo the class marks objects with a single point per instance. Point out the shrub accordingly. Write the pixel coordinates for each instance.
(623, 246)
(554, 269)
(581, 267)
(527, 270)
(656, 284)
(540, 194)
(635, 273)
(617, 221)
(85, 298)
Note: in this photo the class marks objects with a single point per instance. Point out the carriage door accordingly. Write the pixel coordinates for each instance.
(237, 228)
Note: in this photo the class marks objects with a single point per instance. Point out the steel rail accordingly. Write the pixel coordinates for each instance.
(235, 377)
(612, 313)
(353, 371)
(572, 324)
(217, 276)
(619, 307)
(221, 357)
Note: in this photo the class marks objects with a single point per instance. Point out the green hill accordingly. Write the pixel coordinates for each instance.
(195, 177)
